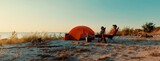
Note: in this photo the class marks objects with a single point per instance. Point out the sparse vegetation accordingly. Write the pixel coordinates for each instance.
(156, 30)
(32, 37)
(148, 27)
(127, 31)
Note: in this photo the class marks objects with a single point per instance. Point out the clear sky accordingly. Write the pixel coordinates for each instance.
(62, 15)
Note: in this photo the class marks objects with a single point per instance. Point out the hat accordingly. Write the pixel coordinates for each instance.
(114, 25)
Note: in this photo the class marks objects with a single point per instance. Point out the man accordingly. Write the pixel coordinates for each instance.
(113, 30)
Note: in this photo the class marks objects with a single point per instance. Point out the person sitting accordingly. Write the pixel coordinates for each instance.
(102, 32)
(112, 32)
(109, 35)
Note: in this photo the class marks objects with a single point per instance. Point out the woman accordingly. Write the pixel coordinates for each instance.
(102, 32)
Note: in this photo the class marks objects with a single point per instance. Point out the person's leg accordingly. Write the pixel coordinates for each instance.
(105, 41)
(102, 40)
(99, 39)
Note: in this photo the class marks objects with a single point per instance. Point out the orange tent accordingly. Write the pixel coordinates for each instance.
(79, 32)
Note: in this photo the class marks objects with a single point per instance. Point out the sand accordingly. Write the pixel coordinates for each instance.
(119, 49)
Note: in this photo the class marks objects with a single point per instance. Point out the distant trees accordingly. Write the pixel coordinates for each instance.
(148, 27)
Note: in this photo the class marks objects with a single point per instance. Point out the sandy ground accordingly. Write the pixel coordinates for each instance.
(119, 49)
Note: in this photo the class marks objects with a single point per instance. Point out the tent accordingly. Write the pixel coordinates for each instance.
(79, 32)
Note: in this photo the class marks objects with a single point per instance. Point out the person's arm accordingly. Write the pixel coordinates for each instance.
(117, 28)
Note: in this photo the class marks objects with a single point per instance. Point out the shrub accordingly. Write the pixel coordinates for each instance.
(148, 27)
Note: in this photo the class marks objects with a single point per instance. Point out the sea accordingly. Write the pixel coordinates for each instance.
(4, 35)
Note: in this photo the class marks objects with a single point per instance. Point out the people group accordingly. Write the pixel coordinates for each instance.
(103, 34)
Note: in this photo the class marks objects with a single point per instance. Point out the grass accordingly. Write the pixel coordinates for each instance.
(32, 37)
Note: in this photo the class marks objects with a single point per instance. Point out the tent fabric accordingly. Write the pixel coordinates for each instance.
(80, 32)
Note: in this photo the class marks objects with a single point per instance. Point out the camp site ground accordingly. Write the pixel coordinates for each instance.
(124, 48)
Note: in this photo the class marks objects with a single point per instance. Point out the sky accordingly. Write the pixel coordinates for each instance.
(63, 15)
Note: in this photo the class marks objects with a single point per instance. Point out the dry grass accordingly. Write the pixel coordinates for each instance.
(11, 41)
(40, 37)
(32, 37)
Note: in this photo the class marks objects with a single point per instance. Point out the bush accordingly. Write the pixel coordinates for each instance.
(148, 27)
